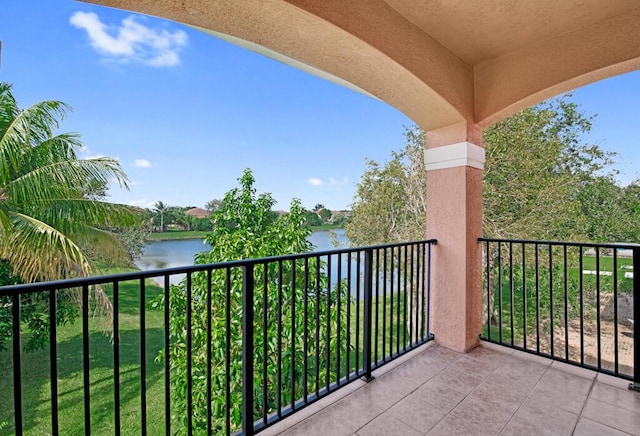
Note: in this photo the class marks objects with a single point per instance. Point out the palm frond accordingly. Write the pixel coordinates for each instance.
(38, 251)
(101, 245)
(70, 215)
(64, 179)
(20, 132)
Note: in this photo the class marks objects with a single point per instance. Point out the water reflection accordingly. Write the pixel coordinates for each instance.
(175, 253)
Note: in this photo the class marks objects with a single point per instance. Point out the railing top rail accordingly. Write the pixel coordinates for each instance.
(616, 245)
(139, 275)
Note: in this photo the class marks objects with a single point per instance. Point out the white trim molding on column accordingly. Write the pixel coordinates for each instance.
(454, 155)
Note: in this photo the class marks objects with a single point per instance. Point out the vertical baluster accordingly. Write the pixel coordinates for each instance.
(391, 301)
(339, 326)
(358, 327)
(305, 339)
(409, 290)
(406, 297)
(227, 360)
(598, 330)
(581, 280)
(85, 359)
(247, 349)
(17, 364)
(167, 366)
(423, 288)
(189, 357)
(537, 272)
(566, 304)
(265, 338)
(317, 324)
(279, 368)
(551, 297)
(53, 358)
(524, 297)
(328, 326)
(429, 291)
(635, 385)
(294, 334)
(366, 352)
(615, 312)
(384, 304)
(143, 361)
(348, 359)
(500, 291)
(376, 330)
(512, 306)
(489, 288)
(208, 349)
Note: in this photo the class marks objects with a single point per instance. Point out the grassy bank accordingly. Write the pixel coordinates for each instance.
(36, 386)
(177, 234)
(182, 234)
(36, 365)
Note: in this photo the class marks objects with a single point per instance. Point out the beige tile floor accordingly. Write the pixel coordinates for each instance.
(492, 390)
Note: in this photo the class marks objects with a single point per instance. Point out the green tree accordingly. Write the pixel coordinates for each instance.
(312, 218)
(540, 182)
(213, 205)
(325, 214)
(160, 210)
(390, 200)
(45, 216)
(52, 226)
(539, 177)
(247, 228)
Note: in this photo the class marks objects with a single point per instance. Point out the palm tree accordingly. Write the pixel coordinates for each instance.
(160, 209)
(47, 213)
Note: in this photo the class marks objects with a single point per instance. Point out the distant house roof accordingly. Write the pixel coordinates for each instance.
(197, 212)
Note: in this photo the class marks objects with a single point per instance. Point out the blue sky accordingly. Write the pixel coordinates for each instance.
(185, 112)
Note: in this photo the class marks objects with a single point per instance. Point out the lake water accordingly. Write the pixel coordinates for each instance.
(169, 254)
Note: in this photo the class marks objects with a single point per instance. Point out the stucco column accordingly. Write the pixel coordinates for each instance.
(454, 160)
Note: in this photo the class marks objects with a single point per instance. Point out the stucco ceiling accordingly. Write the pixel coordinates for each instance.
(479, 30)
(441, 62)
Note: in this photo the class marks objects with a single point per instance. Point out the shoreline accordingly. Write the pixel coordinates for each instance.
(180, 235)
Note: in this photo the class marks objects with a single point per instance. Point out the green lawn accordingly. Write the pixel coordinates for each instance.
(542, 301)
(177, 234)
(35, 372)
(606, 263)
(36, 381)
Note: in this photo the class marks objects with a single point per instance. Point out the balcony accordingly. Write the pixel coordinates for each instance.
(490, 391)
(214, 355)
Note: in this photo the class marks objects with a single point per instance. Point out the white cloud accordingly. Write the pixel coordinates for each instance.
(131, 40)
(334, 182)
(87, 153)
(144, 203)
(142, 163)
(313, 181)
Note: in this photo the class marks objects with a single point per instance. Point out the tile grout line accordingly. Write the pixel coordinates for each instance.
(593, 384)
(524, 401)
(355, 389)
(584, 405)
(410, 392)
(466, 396)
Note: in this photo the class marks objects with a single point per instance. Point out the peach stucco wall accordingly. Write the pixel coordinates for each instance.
(454, 211)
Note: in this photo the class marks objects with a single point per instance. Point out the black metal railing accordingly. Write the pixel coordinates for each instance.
(230, 347)
(574, 302)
